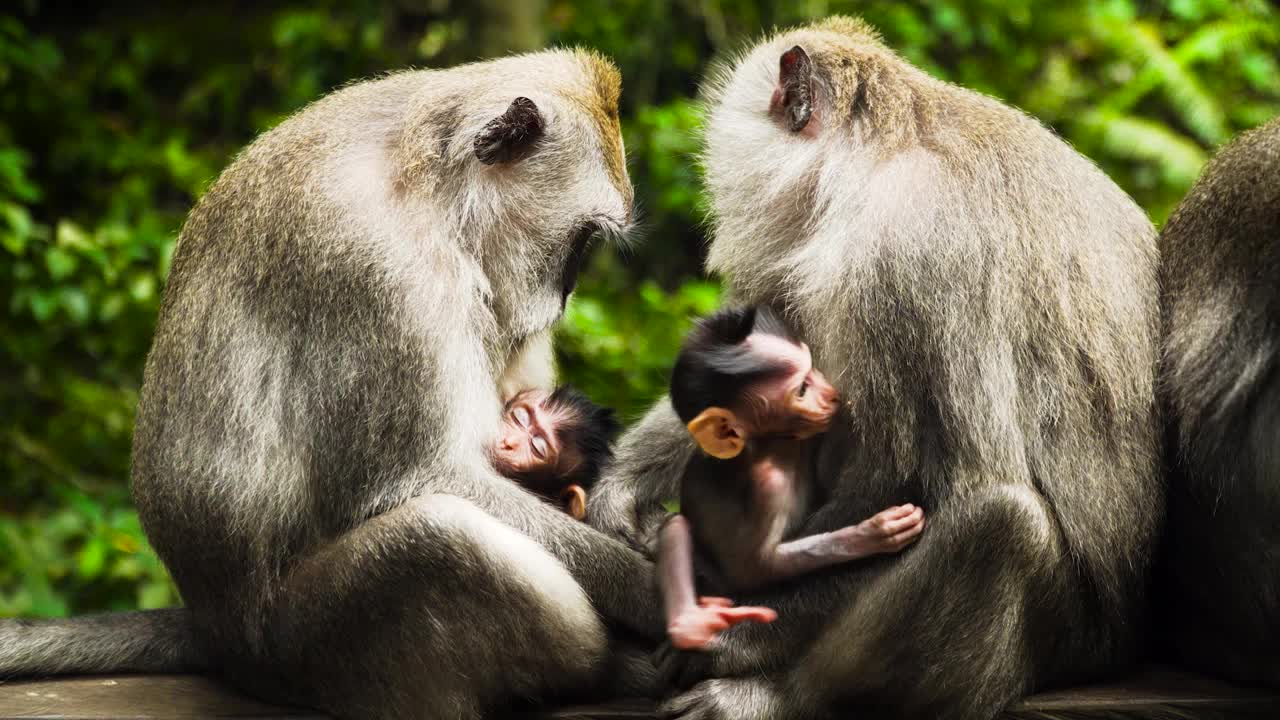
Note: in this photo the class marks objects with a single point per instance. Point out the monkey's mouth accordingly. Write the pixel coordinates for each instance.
(579, 250)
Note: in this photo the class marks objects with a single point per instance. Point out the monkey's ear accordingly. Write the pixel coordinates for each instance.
(718, 432)
(575, 501)
(794, 94)
(511, 135)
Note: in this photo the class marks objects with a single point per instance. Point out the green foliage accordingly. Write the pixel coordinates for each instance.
(111, 125)
(618, 338)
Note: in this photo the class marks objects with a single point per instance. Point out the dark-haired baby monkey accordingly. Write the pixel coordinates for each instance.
(555, 443)
(747, 390)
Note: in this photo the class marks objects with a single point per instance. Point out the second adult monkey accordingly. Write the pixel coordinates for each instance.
(750, 396)
(984, 298)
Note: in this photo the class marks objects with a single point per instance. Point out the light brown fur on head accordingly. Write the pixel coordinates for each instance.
(520, 219)
(601, 102)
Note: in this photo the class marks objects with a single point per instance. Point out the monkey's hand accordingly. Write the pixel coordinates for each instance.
(687, 656)
(888, 531)
(697, 627)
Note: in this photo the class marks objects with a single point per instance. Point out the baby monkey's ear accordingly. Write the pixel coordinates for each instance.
(718, 432)
(511, 135)
(575, 501)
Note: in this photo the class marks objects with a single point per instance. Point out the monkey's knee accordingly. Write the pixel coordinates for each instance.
(540, 594)
(1015, 521)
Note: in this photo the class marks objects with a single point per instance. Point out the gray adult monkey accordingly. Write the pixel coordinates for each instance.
(1220, 280)
(348, 304)
(984, 298)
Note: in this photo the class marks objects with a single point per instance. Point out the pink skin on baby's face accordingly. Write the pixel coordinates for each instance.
(527, 444)
(800, 402)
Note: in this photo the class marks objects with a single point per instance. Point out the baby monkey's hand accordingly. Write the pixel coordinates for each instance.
(697, 627)
(888, 531)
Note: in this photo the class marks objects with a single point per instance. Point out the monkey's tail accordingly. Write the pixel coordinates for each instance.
(142, 641)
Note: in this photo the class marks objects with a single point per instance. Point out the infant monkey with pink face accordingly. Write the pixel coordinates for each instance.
(555, 444)
(747, 390)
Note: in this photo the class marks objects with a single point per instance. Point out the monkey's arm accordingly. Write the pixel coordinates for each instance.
(675, 568)
(649, 462)
(804, 607)
(693, 622)
(886, 532)
(619, 581)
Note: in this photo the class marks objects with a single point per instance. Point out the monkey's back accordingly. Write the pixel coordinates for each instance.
(1221, 379)
(273, 401)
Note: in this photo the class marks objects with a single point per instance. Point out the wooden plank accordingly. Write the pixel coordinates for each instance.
(1155, 692)
(623, 710)
(135, 697)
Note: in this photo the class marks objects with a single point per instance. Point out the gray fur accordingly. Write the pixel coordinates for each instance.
(984, 298)
(309, 458)
(148, 641)
(1221, 381)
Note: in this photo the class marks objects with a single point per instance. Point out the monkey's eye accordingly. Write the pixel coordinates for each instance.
(539, 447)
(522, 416)
(804, 387)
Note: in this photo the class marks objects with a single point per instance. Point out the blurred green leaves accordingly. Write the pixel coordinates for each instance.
(112, 124)
(619, 336)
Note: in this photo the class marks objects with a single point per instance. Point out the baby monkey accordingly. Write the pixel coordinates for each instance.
(555, 444)
(747, 390)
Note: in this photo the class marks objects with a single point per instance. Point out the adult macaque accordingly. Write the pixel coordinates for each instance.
(555, 443)
(312, 462)
(749, 394)
(984, 299)
(1221, 378)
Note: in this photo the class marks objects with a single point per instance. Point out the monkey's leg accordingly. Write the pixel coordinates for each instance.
(433, 610)
(942, 633)
(617, 579)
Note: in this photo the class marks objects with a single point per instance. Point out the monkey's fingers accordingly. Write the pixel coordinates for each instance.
(748, 613)
(911, 520)
(708, 601)
(898, 511)
(908, 536)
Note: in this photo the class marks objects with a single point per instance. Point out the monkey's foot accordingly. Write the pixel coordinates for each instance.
(732, 699)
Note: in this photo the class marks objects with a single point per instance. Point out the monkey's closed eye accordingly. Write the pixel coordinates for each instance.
(539, 447)
(522, 416)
